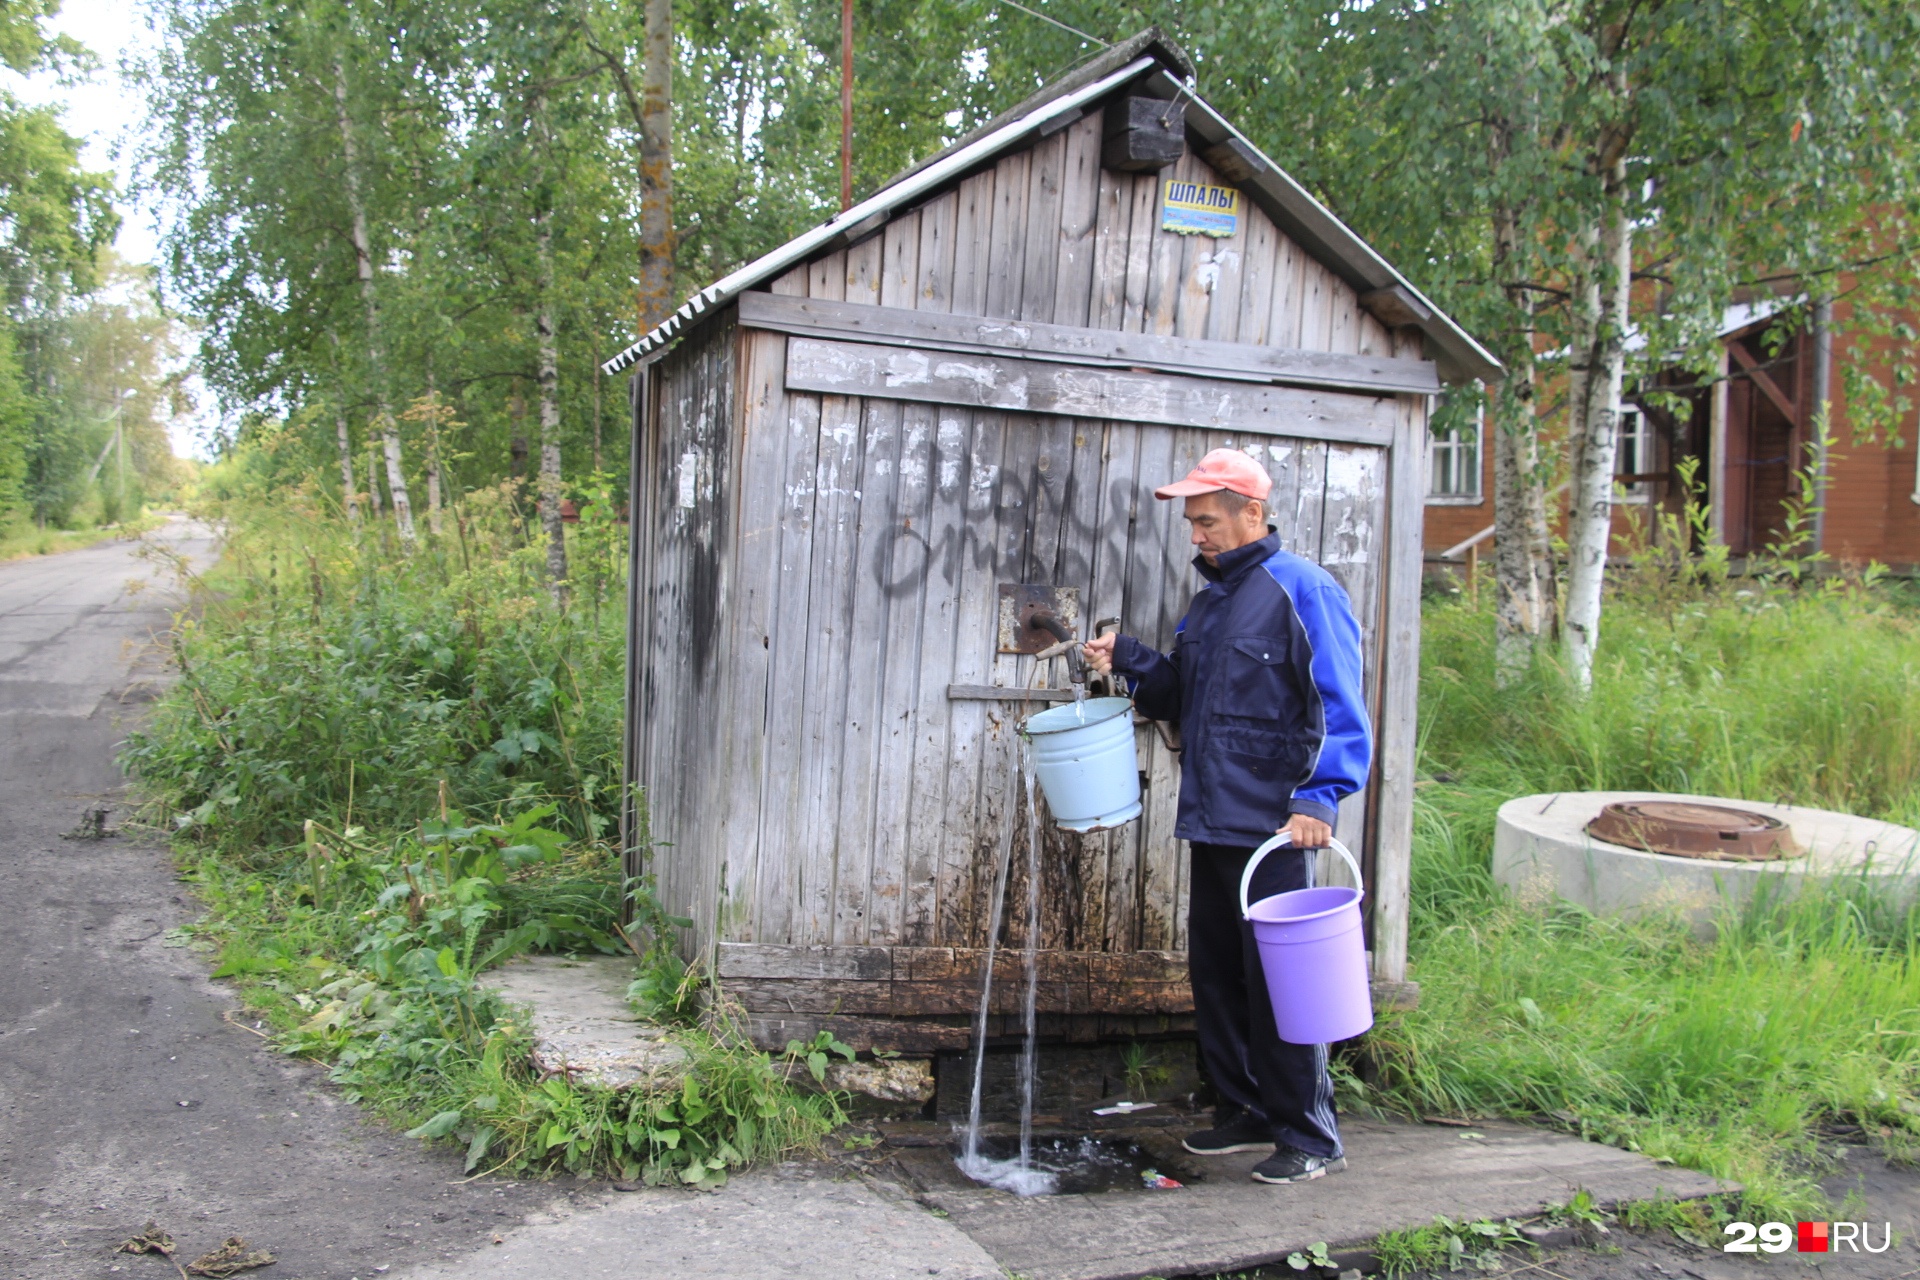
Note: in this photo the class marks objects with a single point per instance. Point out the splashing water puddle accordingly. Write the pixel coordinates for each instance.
(1061, 1166)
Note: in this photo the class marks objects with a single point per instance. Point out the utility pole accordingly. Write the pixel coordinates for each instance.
(846, 105)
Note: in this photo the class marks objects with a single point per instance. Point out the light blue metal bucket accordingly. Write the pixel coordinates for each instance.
(1084, 759)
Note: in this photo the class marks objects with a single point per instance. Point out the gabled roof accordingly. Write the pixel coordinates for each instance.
(1149, 57)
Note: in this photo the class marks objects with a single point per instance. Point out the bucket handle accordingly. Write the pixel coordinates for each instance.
(1246, 877)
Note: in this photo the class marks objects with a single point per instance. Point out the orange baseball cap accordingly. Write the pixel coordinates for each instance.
(1227, 469)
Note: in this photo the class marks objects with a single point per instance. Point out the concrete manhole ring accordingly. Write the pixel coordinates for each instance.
(1543, 849)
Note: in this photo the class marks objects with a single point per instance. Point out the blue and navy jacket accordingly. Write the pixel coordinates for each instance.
(1265, 681)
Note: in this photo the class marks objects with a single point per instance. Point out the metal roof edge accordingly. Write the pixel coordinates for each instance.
(956, 161)
(1291, 205)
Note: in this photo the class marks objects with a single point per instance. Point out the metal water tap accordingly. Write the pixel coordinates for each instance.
(1068, 647)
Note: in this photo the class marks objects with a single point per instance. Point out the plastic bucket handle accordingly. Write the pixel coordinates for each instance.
(1246, 877)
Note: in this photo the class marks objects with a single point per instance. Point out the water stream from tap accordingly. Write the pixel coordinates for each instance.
(973, 1157)
(1030, 1053)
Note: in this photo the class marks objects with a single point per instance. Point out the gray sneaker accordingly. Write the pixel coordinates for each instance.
(1289, 1165)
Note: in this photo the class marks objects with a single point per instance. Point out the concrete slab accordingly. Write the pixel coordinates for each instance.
(582, 1024)
(774, 1223)
(1399, 1176)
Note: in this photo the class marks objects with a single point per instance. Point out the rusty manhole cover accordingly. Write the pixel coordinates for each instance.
(1690, 830)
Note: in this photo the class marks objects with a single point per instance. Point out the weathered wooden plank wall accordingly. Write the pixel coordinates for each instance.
(683, 492)
(843, 800)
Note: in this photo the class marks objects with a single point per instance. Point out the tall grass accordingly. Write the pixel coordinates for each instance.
(334, 677)
(1746, 690)
(1724, 1055)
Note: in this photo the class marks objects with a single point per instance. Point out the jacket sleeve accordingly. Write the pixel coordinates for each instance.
(1346, 744)
(1155, 675)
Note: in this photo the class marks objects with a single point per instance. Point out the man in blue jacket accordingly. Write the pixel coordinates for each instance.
(1265, 682)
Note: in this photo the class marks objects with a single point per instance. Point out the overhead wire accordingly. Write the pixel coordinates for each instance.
(1035, 13)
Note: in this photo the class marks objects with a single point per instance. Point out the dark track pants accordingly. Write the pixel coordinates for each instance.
(1241, 1053)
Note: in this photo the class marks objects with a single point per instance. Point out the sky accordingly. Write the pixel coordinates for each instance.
(103, 113)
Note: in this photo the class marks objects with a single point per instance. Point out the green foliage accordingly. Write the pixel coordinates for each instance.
(333, 678)
(1720, 1055)
(814, 1053)
(379, 982)
(356, 903)
(1143, 1070)
(1315, 1256)
(1749, 688)
(1446, 1243)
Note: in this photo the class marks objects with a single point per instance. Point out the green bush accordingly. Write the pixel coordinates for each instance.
(332, 676)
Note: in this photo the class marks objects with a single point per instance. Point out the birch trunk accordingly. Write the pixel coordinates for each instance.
(656, 167)
(373, 483)
(369, 296)
(433, 451)
(550, 488)
(346, 466)
(1525, 604)
(1593, 428)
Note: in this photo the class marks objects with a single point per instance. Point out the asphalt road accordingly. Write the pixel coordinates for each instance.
(124, 1094)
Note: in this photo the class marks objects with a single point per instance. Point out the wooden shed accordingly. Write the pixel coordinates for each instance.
(855, 457)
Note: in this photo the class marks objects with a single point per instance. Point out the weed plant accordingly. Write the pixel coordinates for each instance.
(1725, 1055)
(388, 769)
(334, 676)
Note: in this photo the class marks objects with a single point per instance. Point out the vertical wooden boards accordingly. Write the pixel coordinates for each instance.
(1343, 305)
(1396, 749)
(1113, 222)
(1289, 293)
(746, 698)
(933, 261)
(1006, 257)
(638, 618)
(914, 763)
(1166, 252)
(1142, 234)
(1160, 583)
(691, 594)
(1082, 185)
(972, 233)
(1316, 306)
(888, 624)
(865, 857)
(1257, 283)
(782, 802)
(1354, 523)
(828, 674)
(1040, 242)
(864, 266)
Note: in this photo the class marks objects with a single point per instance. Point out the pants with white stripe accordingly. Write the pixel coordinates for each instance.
(1241, 1054)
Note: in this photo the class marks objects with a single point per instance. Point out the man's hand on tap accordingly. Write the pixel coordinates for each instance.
(1099, 654)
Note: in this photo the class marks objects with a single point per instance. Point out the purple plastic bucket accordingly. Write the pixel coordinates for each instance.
(1314, 955)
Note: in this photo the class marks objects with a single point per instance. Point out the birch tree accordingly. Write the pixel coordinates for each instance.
(370, 298)
(1587, 184)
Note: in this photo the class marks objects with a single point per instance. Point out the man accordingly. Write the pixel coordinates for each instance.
(1264, 680)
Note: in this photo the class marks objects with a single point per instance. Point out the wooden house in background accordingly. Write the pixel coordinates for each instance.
(855, 458)
(1750, 433)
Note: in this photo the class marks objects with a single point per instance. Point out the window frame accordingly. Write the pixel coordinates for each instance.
(1435, 445)
(1648, 443)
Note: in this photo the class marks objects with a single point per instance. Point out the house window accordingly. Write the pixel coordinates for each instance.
(1455, 473)
(1635, 455)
